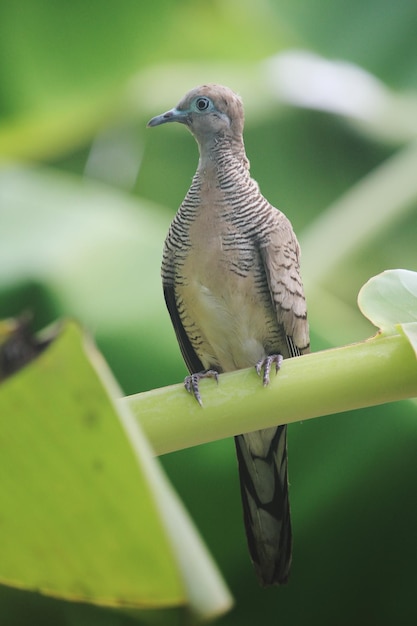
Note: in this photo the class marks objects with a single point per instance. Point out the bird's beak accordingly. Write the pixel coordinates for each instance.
(173, 115)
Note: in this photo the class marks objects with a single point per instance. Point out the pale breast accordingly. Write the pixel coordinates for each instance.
(227, 312)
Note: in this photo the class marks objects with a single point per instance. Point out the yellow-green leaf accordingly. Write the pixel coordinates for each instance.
(390, 298)
(85, 509)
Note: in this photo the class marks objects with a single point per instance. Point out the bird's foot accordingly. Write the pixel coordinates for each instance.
(266, 364)
(191, 383)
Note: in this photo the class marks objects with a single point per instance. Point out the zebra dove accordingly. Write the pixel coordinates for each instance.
(232, 286)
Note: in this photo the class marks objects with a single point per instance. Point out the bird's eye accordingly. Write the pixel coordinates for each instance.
(202, 103)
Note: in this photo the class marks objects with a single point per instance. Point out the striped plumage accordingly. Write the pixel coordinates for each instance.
(232, 285)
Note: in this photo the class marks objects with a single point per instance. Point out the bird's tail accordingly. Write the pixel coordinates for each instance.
(262, 457)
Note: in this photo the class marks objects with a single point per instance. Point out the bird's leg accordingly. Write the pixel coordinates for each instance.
(191, 383)
(266, 364)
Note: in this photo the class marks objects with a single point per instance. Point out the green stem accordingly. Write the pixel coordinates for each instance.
(379, 370)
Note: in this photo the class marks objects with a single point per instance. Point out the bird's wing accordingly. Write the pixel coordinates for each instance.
(280, 256)
(262, 455)
(190, 357)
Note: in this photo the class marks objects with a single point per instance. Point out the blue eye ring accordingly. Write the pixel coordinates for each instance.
(202, 103)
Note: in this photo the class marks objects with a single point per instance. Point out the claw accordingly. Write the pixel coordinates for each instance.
(191, 383)
(266, 364)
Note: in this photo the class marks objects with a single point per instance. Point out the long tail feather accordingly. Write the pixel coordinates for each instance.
(262, 458)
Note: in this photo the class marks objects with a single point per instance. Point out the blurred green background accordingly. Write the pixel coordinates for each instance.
(86, 197)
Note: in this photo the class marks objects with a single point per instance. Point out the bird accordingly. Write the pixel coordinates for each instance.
(233, 289)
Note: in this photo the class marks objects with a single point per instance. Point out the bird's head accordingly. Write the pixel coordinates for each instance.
(209, 111)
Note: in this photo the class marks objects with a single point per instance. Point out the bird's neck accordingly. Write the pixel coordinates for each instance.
(219, 154)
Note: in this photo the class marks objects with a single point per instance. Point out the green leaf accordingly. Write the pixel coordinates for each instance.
(390, 298)
(86, 512)
(410, 331)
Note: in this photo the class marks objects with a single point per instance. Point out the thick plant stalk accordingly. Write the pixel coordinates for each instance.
(380, 370)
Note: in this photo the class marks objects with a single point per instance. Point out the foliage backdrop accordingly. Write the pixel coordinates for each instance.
(87, 194)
